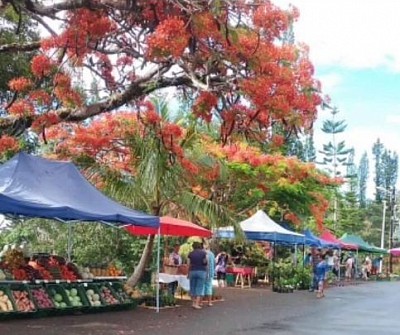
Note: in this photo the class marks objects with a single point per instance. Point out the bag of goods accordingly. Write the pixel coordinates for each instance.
(23, 300)
(41, 298)
(93, 297)
(74, 297)
(107, 295)
(6, 305)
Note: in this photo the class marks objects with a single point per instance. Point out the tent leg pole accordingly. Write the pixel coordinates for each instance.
(69, 242)
(158, 272)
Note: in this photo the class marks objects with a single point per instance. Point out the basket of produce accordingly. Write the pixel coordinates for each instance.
(76, 295)
(22, 298)
(93, 295)
(59, 296)
(108, 295)
(122, 293)
(6, 302)
(41, 297)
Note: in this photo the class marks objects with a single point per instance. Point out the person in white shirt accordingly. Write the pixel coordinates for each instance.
(174, 259)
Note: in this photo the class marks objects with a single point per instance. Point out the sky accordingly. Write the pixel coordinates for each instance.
(355, 48)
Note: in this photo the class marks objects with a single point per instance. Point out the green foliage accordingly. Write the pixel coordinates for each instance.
(14, 65)
(363, 173)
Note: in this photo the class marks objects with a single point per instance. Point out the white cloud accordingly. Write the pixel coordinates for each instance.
(349, 33)
(393, 119)
(330, 81)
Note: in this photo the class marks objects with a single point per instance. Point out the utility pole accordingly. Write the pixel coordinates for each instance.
(392, 222)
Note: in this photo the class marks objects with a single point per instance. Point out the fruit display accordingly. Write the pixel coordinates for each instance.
(85, 273)
(59, 297)
(108, 295)
(93, 297)
(41, 298)
(23, 300)
(74, 296)
(113, 271)
(14, 259)
(6, 304)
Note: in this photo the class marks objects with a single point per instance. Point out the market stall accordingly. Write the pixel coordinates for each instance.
(171, 227)
(32, 186)
(260, 227)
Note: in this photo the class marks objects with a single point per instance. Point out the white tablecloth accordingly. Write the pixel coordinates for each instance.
(182, 280)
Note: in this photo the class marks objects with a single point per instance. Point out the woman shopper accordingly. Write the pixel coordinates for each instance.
(197, 273)
(321, 271)
(208, 286)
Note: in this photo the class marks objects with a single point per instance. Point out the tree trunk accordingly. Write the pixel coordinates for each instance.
(144, 261)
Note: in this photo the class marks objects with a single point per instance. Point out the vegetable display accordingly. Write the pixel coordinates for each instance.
(5, 303)
(60, 300)
(42, 298)
(93, 297)
(74, 297)
(108, 295)
(23, 301)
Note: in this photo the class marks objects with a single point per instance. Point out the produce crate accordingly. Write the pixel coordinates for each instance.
(93, 295)
(82, 300)
(11, 307)
(23, 299)
(123, 296)
(108, 295)
(59, 296)
(41, 297)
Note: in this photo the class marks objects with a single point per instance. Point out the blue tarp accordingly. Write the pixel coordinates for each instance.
(314, 241)
(32, 186)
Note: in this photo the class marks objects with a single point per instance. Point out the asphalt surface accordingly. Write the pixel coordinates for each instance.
(369, 308)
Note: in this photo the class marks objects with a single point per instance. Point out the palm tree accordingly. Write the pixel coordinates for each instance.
(162, 186)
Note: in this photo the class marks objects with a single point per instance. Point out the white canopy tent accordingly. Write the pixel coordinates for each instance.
(260, 227)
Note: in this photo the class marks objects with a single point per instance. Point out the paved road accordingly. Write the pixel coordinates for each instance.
(371, 308)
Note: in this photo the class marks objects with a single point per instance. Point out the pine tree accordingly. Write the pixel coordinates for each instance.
(363, 173)
(335, 153)
(377, 151)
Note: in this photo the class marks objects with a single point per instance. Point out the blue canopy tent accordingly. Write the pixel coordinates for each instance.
(32, 186)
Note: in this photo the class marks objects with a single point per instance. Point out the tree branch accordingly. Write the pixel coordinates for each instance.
(14, 47)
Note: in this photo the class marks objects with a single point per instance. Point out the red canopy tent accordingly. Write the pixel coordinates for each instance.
(171, 227)
(328, 236)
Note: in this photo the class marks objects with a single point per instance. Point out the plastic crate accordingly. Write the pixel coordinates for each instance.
(22, 295)
(81, 293)
(87, 287)
(107, 294)
(39, 303)
(7, 292)
(123, 296)
(59, 296)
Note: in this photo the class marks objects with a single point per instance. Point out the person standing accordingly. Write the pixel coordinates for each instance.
(208, 287)
(221, 262)
(174, 259)
(315, 258)
(320, 273)
(349, 267)
(197, 260)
